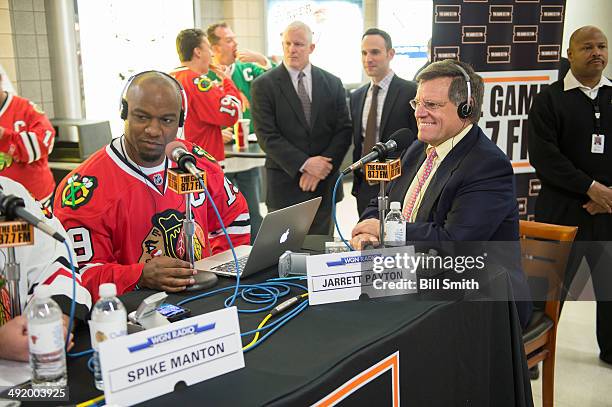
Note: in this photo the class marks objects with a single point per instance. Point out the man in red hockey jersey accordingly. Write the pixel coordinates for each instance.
(125, 223)
(212, 105)
(26, 140)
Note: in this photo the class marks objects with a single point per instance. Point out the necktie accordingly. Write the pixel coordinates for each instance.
(409, 207)
(303, 96)
(370, 131)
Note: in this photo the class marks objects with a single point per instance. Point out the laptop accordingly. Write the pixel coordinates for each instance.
(281, 230)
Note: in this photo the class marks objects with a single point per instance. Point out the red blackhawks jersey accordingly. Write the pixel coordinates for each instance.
(25, 145)
(119, 218)
(210, 107)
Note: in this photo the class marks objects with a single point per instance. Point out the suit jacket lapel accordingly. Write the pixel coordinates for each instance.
(392, 93)
(287, 89)
(443, 174)
(411, 162)
(317, 94)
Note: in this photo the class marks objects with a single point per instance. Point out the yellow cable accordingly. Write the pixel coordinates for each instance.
(257, 333)
(91, 402)
(261, 326)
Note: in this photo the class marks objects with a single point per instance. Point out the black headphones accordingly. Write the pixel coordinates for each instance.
(465, 109)
(123, 104)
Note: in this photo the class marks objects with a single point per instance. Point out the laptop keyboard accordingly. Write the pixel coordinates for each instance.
(230, 266)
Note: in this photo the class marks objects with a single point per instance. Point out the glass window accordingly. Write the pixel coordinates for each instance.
(120, 38)
(409, 23)
(337, 27)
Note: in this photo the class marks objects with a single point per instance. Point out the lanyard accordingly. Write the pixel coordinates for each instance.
(597, 112)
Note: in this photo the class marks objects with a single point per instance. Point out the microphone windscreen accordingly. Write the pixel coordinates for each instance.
(403, 138)
(171, 146)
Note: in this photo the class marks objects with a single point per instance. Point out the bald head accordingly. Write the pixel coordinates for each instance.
(583, 33)
(155, 83)
(588, 54)
(154, 104)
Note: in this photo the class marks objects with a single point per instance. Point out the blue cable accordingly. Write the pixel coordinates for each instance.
(287, 278)
(268, 326)
(338, 182)
(73, 303)
(229, 241)
(90, 365)
(79, 354)
(286, 319)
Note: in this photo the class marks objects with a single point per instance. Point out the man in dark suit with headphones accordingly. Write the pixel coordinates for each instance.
(456, 184)
(377, 118)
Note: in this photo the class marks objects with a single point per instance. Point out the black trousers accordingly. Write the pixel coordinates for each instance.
(594, 244)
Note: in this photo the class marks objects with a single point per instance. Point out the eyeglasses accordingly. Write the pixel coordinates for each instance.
(427, 104)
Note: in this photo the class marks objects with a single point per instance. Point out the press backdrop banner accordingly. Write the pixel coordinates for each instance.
(515, 45)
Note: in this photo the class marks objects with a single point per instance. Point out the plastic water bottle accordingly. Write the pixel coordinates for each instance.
(395, 226)
(46, 340)
(108, 321)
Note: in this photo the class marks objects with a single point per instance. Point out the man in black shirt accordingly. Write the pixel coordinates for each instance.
(570, 146)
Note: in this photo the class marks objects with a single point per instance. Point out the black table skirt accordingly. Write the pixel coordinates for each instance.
(466, 353)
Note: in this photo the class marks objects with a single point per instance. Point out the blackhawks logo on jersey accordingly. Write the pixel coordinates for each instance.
(167, 237)
(200, 152)
(204, 83)
(6, 161)
(78, 190)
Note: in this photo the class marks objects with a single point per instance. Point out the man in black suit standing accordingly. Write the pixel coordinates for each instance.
(302, 123)
(570, 131)
(378, 108)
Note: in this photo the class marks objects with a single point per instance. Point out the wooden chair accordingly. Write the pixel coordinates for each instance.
(545, 249)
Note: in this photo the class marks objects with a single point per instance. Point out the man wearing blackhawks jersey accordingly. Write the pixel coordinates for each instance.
(26, 140)
(211, 105)
(244, 67)
(125, 222)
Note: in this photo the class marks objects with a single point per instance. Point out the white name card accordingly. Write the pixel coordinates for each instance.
(150, 363)
(337, 277)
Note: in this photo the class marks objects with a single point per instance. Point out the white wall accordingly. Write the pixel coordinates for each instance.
(579, 13)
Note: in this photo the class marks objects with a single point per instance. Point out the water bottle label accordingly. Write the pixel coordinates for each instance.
(395, 232)
(46, 338)
(102, 331)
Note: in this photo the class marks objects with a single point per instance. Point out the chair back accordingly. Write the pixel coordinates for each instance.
(545, 249)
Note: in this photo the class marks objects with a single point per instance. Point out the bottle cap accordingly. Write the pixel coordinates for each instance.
(42, 291)
(107, 290)
(395, 206)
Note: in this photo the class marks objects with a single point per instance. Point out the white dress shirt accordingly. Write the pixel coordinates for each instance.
(570, 82)
(307, 80)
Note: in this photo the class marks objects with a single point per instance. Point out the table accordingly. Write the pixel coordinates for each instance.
(448, 353)
(238, 160)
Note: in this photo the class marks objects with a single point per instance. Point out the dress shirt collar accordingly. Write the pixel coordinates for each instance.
(384, 83)
(446, 147)
(295, 72)
(570, 82)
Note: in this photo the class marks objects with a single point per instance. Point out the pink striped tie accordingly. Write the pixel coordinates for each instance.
(409, 207)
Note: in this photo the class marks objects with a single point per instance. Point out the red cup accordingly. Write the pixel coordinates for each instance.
(241, 132)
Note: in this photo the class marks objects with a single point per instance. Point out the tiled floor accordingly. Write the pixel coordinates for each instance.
(582, 380)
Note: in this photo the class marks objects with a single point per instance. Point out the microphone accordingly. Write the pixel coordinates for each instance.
(397, 141)
(176, 151)
(13, 207)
